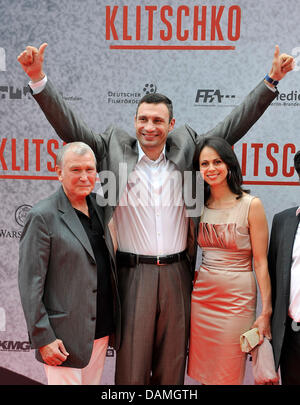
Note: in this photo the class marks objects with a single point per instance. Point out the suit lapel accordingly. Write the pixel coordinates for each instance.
(130, 159)
(180, 147)
(70, 218)
(172, 154)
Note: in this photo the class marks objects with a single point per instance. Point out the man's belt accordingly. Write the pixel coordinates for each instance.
(132, 260)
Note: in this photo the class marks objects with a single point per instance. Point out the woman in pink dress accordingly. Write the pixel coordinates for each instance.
(233, 237)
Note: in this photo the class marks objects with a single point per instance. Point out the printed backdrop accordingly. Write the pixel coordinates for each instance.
(104, 55)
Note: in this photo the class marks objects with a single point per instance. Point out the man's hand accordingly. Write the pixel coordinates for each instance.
(54, 354)
(32, 60)
(281, 64)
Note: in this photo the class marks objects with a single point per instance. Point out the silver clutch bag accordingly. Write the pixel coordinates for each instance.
(249, 340)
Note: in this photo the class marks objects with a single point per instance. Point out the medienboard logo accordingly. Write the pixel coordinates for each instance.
(287, 99)
(2, 60)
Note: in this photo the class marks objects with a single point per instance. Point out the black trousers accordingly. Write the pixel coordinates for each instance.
(155, 303)
(290, 354)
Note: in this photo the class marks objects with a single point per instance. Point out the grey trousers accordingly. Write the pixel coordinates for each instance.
(155, 302)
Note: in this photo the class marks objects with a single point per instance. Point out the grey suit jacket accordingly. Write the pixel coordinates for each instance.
(116, 146)
(282, 237)
(58, 279)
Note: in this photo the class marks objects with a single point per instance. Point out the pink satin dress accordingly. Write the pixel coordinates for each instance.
(224, 296)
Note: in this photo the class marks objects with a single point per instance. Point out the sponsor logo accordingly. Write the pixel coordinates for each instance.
(10, 234)
(130, 97)
(14, 93)
(213, 98)
(149, 88)
(20, 217)
(21, 214)
(14, 346)
(18, 93)
(289, 99)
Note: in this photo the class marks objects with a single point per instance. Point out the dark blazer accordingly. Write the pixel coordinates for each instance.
(283, 232)
(116, 146)
(58, 279)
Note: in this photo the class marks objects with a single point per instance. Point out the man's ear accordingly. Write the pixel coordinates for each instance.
(58, 172)
(171, 124)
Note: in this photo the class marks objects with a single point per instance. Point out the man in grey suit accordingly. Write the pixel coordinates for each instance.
(67, 277)
(284, 268)
(155, 274)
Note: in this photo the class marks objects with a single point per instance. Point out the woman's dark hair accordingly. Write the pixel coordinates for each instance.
(224, 150)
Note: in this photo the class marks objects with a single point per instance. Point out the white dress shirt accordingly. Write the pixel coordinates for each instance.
(294, 307)
(151, 217)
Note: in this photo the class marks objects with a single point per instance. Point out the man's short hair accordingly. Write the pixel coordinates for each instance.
(80, 148)
(157, 98)
(297, 162)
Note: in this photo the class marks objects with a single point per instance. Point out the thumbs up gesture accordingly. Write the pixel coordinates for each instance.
(281, 64)
(31, 60)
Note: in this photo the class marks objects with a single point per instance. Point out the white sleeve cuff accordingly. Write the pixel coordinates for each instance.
(39, 86)
(272, 88)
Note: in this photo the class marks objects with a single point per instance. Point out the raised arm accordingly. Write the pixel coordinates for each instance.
(244, 116)
(68, 126)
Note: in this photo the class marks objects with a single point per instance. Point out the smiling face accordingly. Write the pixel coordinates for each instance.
(212, 168)
(77, 174)
(152, 128)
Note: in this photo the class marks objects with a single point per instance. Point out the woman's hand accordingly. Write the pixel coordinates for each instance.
(264, 327)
